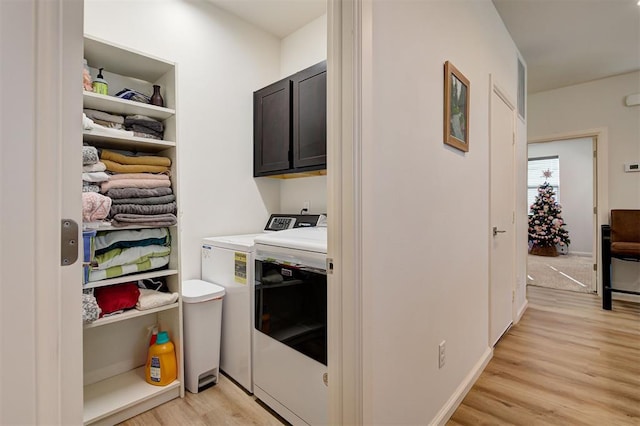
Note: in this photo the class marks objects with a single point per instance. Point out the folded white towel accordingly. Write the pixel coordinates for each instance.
(150, 299)
(98, 167)
(87, 123)
(95, 177)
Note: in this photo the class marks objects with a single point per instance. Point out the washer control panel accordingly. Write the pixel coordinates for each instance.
(279, 222)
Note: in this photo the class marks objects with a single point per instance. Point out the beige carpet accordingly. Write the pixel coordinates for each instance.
(564, 272)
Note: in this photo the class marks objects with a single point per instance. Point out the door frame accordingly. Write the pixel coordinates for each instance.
(38, 372)
(348, 81)
(503, 95)
(601, 184)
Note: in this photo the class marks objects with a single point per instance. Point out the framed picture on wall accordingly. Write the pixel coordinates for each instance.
(456, 108)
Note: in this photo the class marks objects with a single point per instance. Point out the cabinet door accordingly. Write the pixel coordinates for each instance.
(272, 128)
(310, 117)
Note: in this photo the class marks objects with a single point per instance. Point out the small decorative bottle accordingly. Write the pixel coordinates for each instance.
(100, 85)
(156, 98)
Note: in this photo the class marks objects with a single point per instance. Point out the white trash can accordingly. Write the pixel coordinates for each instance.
(202, 317)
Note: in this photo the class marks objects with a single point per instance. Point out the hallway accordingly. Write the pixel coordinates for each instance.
(566, 362)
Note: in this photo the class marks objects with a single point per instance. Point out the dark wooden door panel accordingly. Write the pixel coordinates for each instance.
(272, 128)
(310, 117)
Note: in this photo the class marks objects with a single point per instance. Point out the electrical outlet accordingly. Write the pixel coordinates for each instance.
(441, 354)
(306, 206)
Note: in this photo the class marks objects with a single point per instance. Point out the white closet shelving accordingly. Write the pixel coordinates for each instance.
(115, 347)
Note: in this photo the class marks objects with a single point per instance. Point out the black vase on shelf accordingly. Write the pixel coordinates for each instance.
(156, 98)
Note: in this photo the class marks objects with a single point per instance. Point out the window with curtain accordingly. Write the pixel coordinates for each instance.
(535, 177)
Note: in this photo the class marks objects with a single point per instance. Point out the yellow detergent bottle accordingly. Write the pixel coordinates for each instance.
(162, 367)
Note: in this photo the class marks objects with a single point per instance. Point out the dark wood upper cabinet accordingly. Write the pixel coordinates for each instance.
(272, 128)
(310, 117)
(290, 124)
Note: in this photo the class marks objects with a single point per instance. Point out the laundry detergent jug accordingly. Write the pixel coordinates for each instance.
(162, 367)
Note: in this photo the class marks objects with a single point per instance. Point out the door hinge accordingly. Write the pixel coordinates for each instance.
(513, 295)
(595, 210)
(68, 242)
(329, 266)
(595, 267)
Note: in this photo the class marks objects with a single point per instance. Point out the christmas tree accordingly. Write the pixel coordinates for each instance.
(546, 227)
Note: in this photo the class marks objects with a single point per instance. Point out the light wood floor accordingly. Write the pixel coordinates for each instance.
(567, 362)
(222, 404)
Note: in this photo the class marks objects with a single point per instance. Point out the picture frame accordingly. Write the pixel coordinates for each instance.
(457, 89)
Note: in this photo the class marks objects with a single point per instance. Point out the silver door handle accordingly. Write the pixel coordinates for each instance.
(496, 231)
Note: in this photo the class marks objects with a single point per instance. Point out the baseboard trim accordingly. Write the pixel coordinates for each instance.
(626, 297)
(581, 253)
(454, 402)
(521, 311)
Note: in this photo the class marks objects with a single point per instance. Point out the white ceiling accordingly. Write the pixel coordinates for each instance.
(278, 17)
(563, 42)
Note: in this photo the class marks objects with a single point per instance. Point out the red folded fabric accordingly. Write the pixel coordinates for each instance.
(117, 297)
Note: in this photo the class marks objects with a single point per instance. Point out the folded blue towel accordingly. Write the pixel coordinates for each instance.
(133, 95)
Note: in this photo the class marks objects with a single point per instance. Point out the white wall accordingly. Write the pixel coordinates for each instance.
(221, 61)
(304, 47)
(576, 187)
(599, 104)
(299, 50)
(426, 206)
(593, 105)
(294, 192)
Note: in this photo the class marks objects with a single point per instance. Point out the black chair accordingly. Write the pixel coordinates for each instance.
(620, 240)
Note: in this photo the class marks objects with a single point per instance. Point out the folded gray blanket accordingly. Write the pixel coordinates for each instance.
(127, 219)
(143, 209)
(148, 200)
(145, 121)
(104, 116)
(139, 128)
(146, 135)
(89, 155)
(109, 124)
(116, 193)
(90, 187)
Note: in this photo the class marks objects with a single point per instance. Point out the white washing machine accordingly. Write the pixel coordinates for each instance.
(228, 261)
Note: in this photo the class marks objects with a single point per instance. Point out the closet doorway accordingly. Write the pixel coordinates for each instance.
(569, 166)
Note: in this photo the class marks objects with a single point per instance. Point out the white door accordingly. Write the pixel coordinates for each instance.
(40, 181)
(502, 216)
